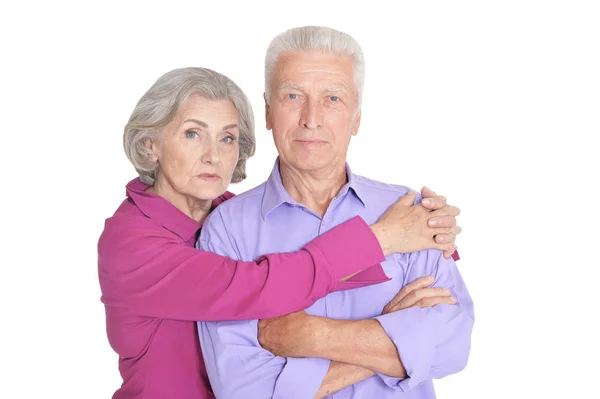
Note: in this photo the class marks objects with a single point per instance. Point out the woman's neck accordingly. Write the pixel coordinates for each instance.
(195, 208)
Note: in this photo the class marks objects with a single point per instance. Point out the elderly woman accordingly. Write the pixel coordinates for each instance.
(188, 137)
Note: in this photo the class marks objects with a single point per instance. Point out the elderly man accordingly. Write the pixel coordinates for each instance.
(385, 341)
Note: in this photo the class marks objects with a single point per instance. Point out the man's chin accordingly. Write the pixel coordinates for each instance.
(309, 163)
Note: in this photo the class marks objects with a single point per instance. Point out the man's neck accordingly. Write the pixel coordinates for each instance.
(194, 208)
(314, 189)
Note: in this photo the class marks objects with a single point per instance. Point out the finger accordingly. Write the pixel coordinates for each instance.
(413, 297)
(445, 231)
(447, 210)
(441, 220)
(456, 230)
(426, 192)
(448, 253)
(419, 283)
(438, 300)
(434, 203)
(445, 247)
(445, 238)
(407, 200)
(410, 301)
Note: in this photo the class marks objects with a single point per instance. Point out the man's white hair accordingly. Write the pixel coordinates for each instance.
(308, 38)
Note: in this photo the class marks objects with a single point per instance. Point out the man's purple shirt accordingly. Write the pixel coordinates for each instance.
(431, 342)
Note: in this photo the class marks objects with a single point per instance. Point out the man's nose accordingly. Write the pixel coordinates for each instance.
(312, 115)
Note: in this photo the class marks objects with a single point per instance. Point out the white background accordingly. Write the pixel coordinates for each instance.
(494, 104)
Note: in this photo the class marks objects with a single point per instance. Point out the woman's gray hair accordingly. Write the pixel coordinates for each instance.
(315, 38)
(159, 106)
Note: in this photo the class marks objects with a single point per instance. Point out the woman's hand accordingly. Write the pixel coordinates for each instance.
(405, 227)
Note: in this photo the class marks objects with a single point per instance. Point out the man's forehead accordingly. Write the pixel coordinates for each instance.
(321, 84)
(315, 61)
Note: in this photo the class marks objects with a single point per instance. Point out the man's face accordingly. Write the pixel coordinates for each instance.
(313, 111)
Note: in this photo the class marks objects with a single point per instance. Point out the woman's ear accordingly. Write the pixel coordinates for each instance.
(152, 150)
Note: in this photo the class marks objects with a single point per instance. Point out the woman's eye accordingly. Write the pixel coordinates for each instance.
(228, 140)
(190, 134)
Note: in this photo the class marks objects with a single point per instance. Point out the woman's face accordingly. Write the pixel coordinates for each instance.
(198, 150)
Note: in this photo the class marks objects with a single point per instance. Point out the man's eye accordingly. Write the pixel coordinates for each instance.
(334, 98)
(292, 96)
(190, 134)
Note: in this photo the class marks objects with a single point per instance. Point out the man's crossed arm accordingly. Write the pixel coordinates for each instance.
(405, 346)
(357, 349)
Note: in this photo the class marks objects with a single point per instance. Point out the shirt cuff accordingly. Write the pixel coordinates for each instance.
(301, 378)
(413, 334)
(455, 256)
(350, 248)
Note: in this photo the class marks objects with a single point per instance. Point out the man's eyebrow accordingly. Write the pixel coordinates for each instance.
(290, 86)
(335, 89)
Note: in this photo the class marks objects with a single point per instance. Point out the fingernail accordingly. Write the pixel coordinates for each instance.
(453, 300)
(433, 222)
(426, 201)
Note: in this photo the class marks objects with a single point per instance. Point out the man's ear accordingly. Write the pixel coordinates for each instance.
(356, 124)
(267, 113)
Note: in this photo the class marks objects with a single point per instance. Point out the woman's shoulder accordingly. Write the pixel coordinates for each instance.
(128, 215)
(129, 227)
(222, 198)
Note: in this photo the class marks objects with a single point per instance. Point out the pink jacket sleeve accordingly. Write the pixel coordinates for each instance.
(151, 271)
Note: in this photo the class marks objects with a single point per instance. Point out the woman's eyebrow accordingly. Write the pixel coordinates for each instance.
(205, 125)
(197, 122)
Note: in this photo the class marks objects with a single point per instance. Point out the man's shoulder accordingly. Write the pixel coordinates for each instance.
(374, 188)
(235, 210)
(248, 198)
(224, 229)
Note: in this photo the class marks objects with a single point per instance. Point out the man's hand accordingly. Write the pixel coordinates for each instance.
(405, 227)
(286, 336)
(418, 293)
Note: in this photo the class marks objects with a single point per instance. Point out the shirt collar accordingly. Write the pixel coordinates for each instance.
(163, 212)
(276, 195)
